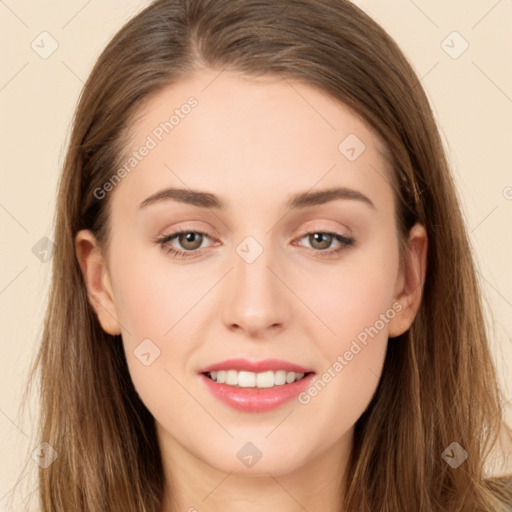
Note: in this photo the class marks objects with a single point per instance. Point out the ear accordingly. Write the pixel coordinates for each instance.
(409, 285)
(99, 289)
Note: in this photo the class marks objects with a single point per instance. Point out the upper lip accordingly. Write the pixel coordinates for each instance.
(241, 364)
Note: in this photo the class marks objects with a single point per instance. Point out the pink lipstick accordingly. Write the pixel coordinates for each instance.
(256, 386)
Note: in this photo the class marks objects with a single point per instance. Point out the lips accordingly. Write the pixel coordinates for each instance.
(260, 395)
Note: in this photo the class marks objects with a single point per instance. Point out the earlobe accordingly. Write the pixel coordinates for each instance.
(411, 281)
(97, 280)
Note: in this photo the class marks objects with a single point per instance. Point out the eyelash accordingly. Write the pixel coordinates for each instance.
(345, 241)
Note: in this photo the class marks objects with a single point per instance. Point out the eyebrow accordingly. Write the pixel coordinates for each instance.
(297, 201)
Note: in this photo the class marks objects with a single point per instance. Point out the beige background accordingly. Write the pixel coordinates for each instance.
(471, 95)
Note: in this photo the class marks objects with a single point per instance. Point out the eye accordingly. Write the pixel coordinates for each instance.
(191, 241)
(321, 240)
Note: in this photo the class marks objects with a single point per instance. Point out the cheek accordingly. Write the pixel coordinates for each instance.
(357, 312)
(356, 304)
(357, 295)
(158, 306)
(152, 295)
(152, 306)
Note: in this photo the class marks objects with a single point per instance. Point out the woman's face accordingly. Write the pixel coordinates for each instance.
(276, 268)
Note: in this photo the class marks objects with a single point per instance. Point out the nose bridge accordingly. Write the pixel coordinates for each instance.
(256, 297)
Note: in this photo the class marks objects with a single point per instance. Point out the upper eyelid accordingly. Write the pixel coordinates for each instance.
(346, 231)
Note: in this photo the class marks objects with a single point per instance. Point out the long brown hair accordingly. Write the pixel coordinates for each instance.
(438, 384)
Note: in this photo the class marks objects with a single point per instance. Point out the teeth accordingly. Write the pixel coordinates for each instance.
(246, 379)
(232, 377)
(259, 380)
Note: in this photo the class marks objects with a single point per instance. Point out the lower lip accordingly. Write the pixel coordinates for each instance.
(257, 399)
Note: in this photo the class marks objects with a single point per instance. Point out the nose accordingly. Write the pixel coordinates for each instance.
(257, 300)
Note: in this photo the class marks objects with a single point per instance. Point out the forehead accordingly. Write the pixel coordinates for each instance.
(251, 138)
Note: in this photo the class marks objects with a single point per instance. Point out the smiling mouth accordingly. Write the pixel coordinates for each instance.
(262, 380)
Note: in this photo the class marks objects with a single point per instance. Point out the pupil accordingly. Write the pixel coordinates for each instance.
(325, 242)
(189, 238)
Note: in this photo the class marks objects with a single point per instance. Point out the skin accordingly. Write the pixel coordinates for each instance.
(253, 142)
